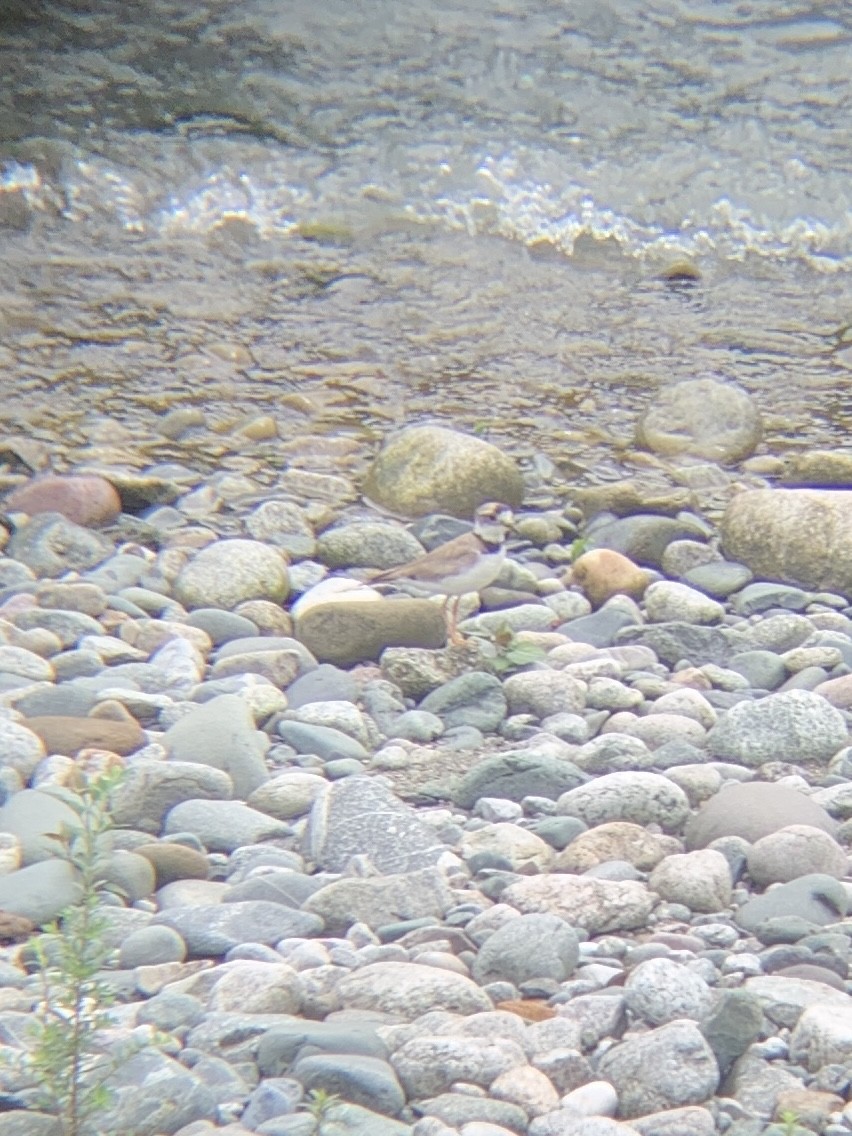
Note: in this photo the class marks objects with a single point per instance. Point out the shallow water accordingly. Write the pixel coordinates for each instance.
(356, 214)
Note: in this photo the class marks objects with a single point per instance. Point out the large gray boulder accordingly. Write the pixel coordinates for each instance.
(797, 536)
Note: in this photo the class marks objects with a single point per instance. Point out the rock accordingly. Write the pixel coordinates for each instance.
(751, 811)
(823, 1036)
(149, 946)
(733, 1024)
(508, 842)
(782, 727)
(221, 734)
(660, 990)
(643, 537)
(719, 579)
(288, 1041)
(600, 906)
(380, 900)
(514, 775)
(283, 524)
(210, 930)
(528, 947)
(675, 642)
(701, 418)
(603, 573)
(543, 692)
(407, 990)
(223, 826)
(21, 748)
(361, 816)
(289, 795)
(668, 1067)
(477, 1116)
(669, 602)
(149, 789)
(40, 891)
(325, 742)
(367, 544)
(172, 861)
(430, 469)
(473, 699)
(795, 536)
(433, 1064)
(86, 500)
(526, 1087)
(793, 851)
(248, 987)
(368, 1081)
(642, 798)
(618, 840)
(818, 898)
(68, 735)
(229, 572)
(699, 880)
(51, 546)
(152, 1095)
(37, 817)
(347, 632)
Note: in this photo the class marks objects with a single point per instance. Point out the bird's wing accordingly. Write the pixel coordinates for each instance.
(433, 567)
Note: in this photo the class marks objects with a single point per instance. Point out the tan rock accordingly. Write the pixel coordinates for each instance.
(603, 573)
(796, 536)
(67, 735)
(351, 632)
(616, 840)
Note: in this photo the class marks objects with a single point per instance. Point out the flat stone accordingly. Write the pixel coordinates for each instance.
(719, 579)
(642, 537)
(473, 699)
(677, 641)
(325, 742)
(378, 900)
(349, 631)
(361, 816)
(68, 735)
(149, 789)
(223, 826)
(817, 898)
(514, 775)
(363, 1080)
(407, 990)
(211, 930)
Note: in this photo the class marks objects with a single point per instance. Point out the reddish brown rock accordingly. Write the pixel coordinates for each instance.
(527, 1009)
(603, 573)
(85, 499)
(67, 735)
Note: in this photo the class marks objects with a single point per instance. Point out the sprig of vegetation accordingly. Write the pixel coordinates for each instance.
(67, 1057)
(513, 653)
(319, 1103)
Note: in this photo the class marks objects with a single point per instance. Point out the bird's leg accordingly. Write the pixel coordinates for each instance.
(452, 609)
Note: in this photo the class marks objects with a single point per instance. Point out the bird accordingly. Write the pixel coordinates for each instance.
(467, 563)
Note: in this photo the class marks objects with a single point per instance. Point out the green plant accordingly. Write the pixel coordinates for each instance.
(319, 1103)
(511, 652)
(578, 547)
(67, 1057)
